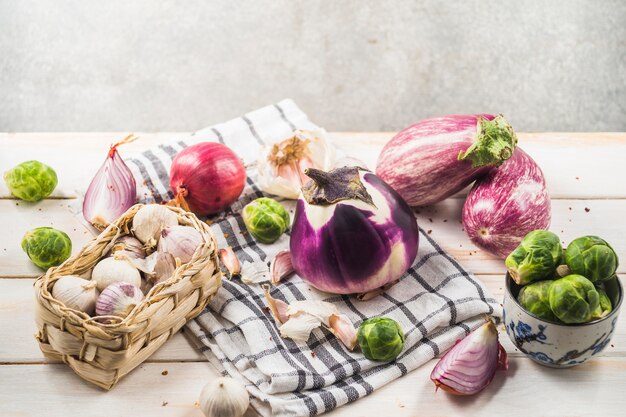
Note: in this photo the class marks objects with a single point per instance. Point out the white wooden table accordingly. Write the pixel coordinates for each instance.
(586, 174)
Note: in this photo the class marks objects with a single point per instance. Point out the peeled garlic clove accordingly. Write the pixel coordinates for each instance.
(230, 261)
(224, 397)
(77, 293)
(342, 327)
(281, 266)
(110, 270)
(281, 164)
(118, 299)
(150, 220)
(180, 241)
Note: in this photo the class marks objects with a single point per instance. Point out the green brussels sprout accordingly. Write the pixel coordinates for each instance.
(47, 247)
(534, 299)
(573, 299)
(266, 219)
(605, 306)
(31, 180)
(536, 257)
(592, 258)
(380, 338)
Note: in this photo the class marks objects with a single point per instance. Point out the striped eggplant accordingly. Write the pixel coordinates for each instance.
(506, 204)
(351, 232)
(435, 158)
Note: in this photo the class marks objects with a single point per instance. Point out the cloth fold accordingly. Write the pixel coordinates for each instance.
(437, 302)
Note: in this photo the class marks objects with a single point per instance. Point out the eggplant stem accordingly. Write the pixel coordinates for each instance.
(495, 142)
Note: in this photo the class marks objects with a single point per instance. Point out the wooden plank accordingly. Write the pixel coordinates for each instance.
(525, 389)
(602, 219)
(17, 324)
(55, 391)
(559, 155)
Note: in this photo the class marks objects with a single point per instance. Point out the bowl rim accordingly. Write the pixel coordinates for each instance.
(615, 310)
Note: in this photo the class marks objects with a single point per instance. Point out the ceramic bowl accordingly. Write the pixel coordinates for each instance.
(554, 344)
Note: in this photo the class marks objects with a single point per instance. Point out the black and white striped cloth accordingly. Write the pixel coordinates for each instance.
(437, 302)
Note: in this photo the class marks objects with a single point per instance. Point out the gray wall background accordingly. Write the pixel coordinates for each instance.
(148, 65)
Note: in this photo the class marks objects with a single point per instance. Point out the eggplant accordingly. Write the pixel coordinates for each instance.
(351, 232)
(506, 204)
(433, 159)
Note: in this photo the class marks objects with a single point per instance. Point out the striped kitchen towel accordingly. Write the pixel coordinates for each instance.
(437, 302)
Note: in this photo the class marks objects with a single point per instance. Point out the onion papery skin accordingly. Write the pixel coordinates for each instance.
(506, 204)
(422, 162)
(470, 365)
(208, 176)
(352, 247)
(111, 192)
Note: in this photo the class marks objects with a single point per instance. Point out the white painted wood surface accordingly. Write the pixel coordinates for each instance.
(584, 171)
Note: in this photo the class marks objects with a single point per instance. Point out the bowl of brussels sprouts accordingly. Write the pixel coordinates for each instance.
(561, 305)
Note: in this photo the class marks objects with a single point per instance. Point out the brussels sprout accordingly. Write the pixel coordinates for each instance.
(592, 258)
(534, 299)
(266, 219)
(605, 306)
(380, 338)
(536, 257)
(573, 299)
(47, 247)
(31, 180)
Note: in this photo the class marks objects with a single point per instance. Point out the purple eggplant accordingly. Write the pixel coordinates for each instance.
(435, 158)
(351, 232)
(506, 204)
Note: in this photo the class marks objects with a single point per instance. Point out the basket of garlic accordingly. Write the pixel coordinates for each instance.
(107, 309)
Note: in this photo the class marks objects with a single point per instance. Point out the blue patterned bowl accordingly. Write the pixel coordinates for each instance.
(559, 345)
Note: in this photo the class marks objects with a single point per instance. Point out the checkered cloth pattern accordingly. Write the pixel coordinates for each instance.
(437, 302)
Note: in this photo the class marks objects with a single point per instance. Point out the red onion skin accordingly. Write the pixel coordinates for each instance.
(208, 176)
(421, 162)
(449, 369)
(506, 204)
(111, 192)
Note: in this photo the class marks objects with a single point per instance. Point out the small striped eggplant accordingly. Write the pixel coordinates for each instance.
(351, 233)
(431, 160)
(506, 204)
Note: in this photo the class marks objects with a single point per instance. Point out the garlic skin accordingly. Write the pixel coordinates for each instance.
(77, 293)
(281, 164)
(118, 299)
(110, 270)
(150, 220)
(180, 241)
(224, 397)
(129, 244)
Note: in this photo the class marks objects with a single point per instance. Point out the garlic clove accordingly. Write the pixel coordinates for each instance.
(277, 307)
(342, 327)
(150, 220)
(224, 397)
(76, 293)
(165, 266)
(229, 259)
(281, 266)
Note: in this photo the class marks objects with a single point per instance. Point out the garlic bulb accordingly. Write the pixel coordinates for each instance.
(224, 397)
(129, 244)
(150, 220)
(118, 299)
(76, 292)
(110, 270)
(281, 164)
(180, 241)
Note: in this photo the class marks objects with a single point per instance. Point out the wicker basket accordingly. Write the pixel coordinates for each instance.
(103, 353)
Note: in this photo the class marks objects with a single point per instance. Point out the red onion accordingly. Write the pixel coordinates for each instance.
(207, 178)
(470, 365)
(112, 191)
